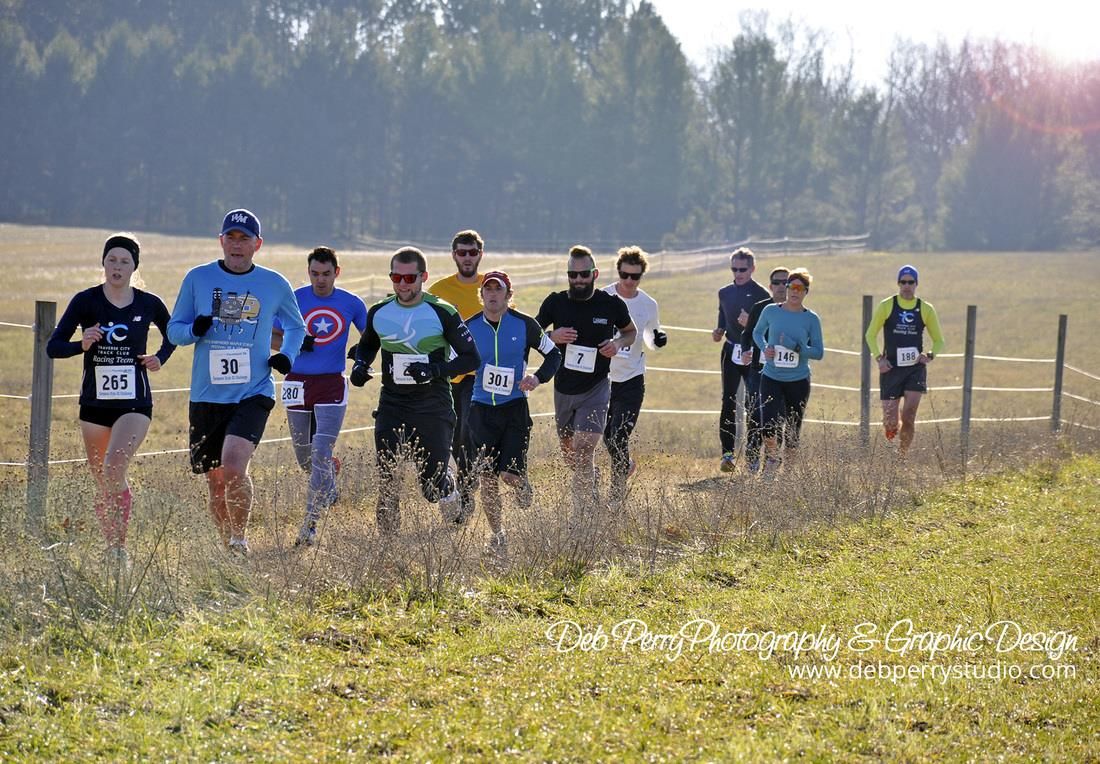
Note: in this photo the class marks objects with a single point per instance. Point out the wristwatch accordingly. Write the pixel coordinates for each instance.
(930, 355)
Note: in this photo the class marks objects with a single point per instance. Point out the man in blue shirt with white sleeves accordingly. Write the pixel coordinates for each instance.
(227, 309)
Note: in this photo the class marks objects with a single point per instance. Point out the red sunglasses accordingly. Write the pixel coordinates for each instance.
(408, 278)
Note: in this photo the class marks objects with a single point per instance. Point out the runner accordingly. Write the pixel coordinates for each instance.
(628, 365)
(790, 336)
(227, 308)
(416, 333)
(116, 403)
(499, 428)
(755, 435)
(461, 290)
(584, 320)
(734, 302)
(903, 364)
(315, 391)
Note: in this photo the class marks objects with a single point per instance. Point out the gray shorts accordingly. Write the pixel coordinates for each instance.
(586, 412)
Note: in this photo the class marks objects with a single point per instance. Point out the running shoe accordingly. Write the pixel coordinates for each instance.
(307, 534)
(450, 507)
(498, 546)
(525, 494)
(336, 465)
(239, 546)
(631, 469)
(118, 560)
(727, 464)
(891, 434)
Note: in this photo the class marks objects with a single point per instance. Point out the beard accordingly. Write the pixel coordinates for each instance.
(582, 291)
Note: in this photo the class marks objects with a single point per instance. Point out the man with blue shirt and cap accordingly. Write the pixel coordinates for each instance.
(903, 362)
(227, 310)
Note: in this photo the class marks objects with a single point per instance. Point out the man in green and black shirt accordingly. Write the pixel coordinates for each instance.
(416, 332)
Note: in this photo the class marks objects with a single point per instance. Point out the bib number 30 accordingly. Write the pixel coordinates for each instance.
(230, 367)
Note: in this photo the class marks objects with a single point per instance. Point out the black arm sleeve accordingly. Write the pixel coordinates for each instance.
(369, 342)
(160, 318)
(59, 345)
(551, 360)
(545, 315)
(466, 358)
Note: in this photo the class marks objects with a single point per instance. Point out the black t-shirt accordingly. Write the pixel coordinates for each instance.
(113, 377)
(596, 320)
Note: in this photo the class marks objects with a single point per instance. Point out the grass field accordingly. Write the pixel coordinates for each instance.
(424, 650)
(625, 663)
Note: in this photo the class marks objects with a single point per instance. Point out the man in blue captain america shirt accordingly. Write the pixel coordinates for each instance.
(227, 310)
(315, 392)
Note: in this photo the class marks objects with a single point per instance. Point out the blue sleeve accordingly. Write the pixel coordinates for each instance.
(816, 348)
(294, 326)
(359, 317)
(183, 314)
(761, 328)
(59, 345)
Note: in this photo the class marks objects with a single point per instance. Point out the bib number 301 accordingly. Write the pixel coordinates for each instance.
(115, 383)
(230, 367)
(498, 379)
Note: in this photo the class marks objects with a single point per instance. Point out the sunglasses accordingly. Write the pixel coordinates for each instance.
(796, 286)
(467, 252)
(907, 282)
(739, 270)
(631, 276)
(408, 278)
(579, 274)
(778, 282)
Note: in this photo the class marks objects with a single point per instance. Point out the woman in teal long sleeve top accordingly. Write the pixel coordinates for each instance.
(789, 336)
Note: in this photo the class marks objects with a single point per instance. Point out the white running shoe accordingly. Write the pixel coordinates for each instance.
(239, 546)
(450, 507)
(498, 546)
(307, 534)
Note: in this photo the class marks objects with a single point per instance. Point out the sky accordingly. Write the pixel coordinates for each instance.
(866, 30)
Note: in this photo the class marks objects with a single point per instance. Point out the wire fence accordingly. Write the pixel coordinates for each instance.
(865, 390)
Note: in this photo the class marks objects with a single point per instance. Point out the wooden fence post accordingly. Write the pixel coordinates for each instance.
(38, 454)
(865, 376)
(1059, 369)
(968, 383)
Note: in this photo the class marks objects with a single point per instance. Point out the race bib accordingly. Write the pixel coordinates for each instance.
(293, 394)
(907, 356)
(580, 358)
(785, 358)
(115, 383)
(737, 354)
(230, 366)
(498, 379)
(401, 361)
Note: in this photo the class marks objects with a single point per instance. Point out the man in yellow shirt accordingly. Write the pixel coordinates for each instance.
(903, 362)
(461, 289)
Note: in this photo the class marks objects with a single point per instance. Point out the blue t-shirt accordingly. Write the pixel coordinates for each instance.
(328, 319)
(230, 362)
(789, 331)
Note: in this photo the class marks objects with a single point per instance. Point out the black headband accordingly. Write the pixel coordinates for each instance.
(128, 243)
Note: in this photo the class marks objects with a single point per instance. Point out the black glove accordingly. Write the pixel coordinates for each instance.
(423, 372)
(660, 339)
(352, 351)
(361, 374)
(307, 344)
(279, 363)
(201, 325)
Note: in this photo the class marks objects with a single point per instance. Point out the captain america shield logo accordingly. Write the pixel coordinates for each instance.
(325, 324)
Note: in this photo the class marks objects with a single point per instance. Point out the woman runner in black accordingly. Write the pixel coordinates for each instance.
(116, 404)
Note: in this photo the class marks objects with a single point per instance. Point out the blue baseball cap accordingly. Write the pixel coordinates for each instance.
(908, 270)
(241, 220)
